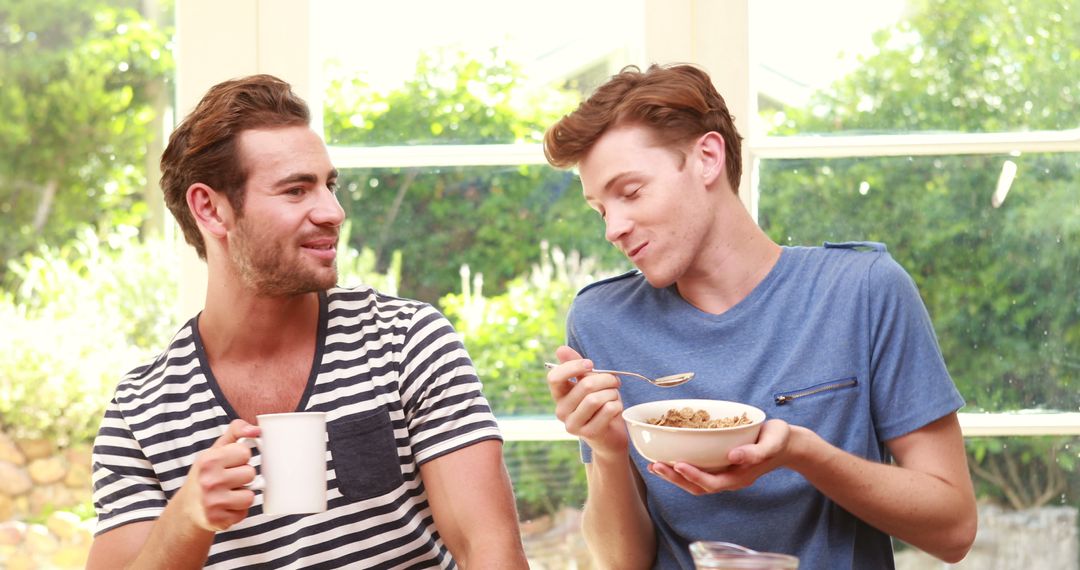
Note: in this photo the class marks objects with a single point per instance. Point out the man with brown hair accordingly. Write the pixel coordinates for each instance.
(832, 342)
(414, 466)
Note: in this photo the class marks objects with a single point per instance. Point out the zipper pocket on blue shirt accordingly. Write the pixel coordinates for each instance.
(786, 397)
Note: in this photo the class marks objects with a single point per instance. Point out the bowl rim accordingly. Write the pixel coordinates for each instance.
(642, 424)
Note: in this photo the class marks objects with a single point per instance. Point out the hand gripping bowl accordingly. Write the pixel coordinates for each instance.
(704, 448)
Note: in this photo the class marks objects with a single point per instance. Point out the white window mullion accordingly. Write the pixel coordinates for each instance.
(972, 424)
(915, 144)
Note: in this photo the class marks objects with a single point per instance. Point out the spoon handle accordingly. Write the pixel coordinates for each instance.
(549, 366)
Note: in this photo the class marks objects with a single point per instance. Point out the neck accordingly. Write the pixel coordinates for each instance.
(734, 261)
(240, 324)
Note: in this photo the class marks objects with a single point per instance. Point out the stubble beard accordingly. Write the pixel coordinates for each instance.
(264, 268)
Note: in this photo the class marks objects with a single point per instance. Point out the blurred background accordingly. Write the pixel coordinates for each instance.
(948, 129)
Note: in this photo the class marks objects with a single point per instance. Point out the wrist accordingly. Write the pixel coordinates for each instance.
(605, 457)
(190, 520)
(804, 449)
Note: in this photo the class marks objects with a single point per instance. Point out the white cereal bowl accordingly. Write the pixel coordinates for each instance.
(704, 448)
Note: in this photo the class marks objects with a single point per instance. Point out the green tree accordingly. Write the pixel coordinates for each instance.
(996, 279)
(77, 83)
(489, 218)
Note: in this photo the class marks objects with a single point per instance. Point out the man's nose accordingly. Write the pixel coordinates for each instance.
(328, 211)
(616, 227)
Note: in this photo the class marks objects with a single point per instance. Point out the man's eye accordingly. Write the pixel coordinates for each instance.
(332, 187)
(295, 191)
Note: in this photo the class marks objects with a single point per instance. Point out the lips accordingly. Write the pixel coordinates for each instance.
(633, 252)
(323, 247)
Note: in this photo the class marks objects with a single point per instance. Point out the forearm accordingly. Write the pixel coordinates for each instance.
(504, 553)
(922, 509)
(616, 522)
(161, 543)
(174, 543)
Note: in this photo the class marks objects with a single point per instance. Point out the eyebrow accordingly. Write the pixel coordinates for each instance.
(305, 177)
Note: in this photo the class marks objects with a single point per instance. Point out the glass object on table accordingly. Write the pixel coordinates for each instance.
(727, 556)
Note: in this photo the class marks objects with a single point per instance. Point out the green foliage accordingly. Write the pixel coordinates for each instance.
(547, 476)
(997, 65)
(77, 82)
(509, 336)
(358, 267)
(80, 316)
(997, 281)
(441, 218)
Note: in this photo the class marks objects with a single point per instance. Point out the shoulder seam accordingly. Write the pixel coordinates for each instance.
(628, 274)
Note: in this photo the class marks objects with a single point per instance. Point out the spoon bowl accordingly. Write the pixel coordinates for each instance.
(669, 381)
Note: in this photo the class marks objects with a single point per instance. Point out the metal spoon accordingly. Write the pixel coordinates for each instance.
(663, 382)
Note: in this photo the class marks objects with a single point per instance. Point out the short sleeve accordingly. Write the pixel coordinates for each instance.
(444, 406)
(910, 385)
(126, 487)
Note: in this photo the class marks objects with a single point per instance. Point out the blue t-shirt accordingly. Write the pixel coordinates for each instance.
(845, 318)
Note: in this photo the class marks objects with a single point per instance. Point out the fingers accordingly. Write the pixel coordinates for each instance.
(771, 444)
(590, 406)
(748, 463)
(577, 402)
(224, 508)
(572, 366)
(698, 482)
(597, 413)
(236, 430)
(565, 353)
(217, 498)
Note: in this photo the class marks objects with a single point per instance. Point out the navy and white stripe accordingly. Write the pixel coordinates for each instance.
(398, 389)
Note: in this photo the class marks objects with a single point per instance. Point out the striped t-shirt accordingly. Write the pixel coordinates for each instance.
(398, 390)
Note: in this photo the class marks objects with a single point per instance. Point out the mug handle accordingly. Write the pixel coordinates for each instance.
(258, 483)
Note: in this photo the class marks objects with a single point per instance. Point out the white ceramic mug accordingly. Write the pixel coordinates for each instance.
(293, 452)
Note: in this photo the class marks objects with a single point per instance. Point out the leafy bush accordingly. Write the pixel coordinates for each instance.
(76, 318)
(358, 267)
(509, 337)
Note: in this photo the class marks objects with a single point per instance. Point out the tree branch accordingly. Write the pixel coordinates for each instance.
(384, 235)
(48, 194)
(1012, 472)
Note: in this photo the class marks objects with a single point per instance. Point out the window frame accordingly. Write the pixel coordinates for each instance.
(714, 34)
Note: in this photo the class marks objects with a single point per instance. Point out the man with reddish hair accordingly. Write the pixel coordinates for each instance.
(832, 342)
(415, 476)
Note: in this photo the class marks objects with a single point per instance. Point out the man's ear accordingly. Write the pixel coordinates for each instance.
(711, 149)
(210, 208)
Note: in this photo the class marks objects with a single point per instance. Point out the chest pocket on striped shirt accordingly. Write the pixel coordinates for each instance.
(365, 455)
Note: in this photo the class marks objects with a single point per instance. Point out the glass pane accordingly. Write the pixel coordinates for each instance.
(492, 219)
(549, 484)
(996, 280)
(500, 250)
(467, 72)
(929, 65)
(1028, 490)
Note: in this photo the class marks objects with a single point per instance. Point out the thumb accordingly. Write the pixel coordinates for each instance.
(236, 430)
(565, 354)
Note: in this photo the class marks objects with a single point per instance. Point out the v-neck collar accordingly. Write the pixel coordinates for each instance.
(313, 374)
